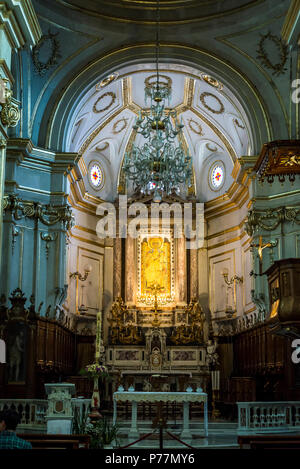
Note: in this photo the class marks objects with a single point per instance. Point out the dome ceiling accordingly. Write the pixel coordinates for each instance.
(215, 125)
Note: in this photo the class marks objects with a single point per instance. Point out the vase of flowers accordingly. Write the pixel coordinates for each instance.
(95, 371)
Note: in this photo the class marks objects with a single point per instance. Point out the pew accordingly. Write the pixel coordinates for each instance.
(270, 441)
(51, 441)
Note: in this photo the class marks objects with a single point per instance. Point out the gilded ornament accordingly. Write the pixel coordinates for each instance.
(213, 149)
(192, 331)
(123, 126)
(289, 160)
(104, 147)
(195, 127)
(212, 81)
(236, 122)
(106, 81)
(120, 331)
(203, 97)
(279, 67)
(166, 83)
(108, 93)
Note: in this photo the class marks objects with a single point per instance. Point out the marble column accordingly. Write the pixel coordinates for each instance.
(130, 270)
(186, 434)
(193, 273)
(181, 271)
(205, 419)
(117, 267)
(115, 412)
(133, 433)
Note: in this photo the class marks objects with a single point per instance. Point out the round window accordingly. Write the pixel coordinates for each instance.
(96, 176)
(217, 176)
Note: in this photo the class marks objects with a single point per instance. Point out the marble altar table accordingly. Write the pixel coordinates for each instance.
(185, 397)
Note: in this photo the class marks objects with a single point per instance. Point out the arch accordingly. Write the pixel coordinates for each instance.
(56, 120)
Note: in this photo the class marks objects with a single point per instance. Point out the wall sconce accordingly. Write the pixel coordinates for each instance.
(234, 279)
(82, 278)
(229, 310)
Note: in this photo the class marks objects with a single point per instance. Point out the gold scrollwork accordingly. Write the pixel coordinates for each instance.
(166, 84)
(212, 81)
(192, 332)
(236, 122)
(195, 127)
(104, 147)
(213, 149)
(289, 160)
(120, 332)
(113, 99)
(115, 129)
(205, 95)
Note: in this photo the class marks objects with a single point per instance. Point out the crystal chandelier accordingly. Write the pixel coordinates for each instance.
(160, 164)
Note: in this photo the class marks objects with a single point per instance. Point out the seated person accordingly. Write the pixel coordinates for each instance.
(9, 420)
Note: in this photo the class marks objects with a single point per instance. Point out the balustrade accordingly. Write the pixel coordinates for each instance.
(32, 411)
(263, 417)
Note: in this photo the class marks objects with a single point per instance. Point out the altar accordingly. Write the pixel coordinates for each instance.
(136, 397)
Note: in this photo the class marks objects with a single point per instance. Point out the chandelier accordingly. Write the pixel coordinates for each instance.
(161, 163)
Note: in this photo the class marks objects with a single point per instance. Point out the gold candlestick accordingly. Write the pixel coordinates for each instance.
(155, 288)
(98, 337)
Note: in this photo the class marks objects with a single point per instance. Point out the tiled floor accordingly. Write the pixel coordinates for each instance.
(220, 435)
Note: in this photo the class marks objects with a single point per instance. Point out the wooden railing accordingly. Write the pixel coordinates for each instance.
(256, 350)
(55, 346)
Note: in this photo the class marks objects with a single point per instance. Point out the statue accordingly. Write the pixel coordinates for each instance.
(147, 387)
(165, 387)
(212, 358)
(15, 357)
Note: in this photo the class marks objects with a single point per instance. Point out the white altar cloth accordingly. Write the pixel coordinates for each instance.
(185, 397)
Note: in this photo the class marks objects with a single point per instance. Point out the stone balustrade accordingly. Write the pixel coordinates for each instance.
(268, 417)
(33, 411)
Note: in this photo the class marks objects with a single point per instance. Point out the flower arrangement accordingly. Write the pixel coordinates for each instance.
(94, 371)
(102, 433)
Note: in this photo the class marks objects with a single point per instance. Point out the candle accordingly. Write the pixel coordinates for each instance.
(98, 336)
